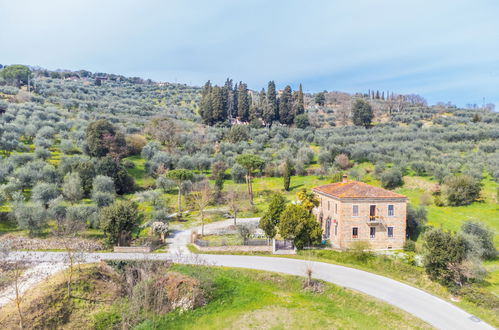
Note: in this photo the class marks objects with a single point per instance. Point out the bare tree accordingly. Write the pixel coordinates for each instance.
(400, 103)
(343, 113)
(199, 199)
(234, 200)
(14, 270)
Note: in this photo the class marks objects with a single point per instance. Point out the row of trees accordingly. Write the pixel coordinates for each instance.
(222, 103)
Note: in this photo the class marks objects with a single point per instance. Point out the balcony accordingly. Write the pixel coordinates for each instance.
(374, 219)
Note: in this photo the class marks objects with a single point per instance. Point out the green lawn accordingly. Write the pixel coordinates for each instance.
(139, 173)
(452, 217)
(247, 299)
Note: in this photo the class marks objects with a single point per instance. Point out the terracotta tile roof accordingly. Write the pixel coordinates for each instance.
(355, 189)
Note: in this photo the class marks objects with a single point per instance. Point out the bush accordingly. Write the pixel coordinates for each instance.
(416, 220)
(301, 121)
(118, 221)
(461, 190)
(102, 199)
(410, 246)
(391, 179)
(444, 257)
(361, 250)
(342, 161)
(482, 239)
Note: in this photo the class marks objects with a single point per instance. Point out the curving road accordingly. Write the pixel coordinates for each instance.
(435, 311)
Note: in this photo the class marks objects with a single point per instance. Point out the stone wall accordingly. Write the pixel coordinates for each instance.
(238, 248)
(341, 213)
(132, 249)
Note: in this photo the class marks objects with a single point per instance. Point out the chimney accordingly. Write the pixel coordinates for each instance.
(344, 178)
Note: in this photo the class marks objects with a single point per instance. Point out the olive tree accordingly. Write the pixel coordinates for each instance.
(71, 187)
(179, 176)
(251, 163)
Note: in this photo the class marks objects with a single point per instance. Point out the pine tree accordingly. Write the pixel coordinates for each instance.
(285, 106)
(243, 100)
(270, 112)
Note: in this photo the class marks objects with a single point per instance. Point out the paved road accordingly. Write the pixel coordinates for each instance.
(435, 311)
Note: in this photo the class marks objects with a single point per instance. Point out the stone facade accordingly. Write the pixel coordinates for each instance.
(381, 221)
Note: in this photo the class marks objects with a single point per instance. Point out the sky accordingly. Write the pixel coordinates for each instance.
(444, 50)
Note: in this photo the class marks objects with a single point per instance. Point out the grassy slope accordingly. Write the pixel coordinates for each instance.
(245, 299)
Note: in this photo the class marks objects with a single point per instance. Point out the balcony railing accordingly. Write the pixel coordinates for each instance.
(374, 219)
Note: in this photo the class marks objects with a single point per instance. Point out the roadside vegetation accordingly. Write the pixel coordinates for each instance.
(190, 297)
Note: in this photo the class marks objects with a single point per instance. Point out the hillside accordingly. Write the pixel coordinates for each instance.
(80, 149)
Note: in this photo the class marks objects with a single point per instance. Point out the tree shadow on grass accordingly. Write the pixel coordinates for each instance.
(295, 186)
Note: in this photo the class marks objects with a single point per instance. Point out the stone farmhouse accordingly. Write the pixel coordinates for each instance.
(351, 211)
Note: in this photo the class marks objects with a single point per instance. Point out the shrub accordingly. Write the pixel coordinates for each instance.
(410, 246)
(361, 250)
(416, 220)
(444, 254)
(391, 179)
(102, 199)
(482, 237)
(301, 121)
(135, 143)
(118, 222)
(461, 190)
(342, 161)
(102, 183)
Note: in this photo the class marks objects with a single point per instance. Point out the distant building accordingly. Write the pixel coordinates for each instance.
(350, 211)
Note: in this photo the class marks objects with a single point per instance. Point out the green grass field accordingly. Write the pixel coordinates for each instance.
(246, 299)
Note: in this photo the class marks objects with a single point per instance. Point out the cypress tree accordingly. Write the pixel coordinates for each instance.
(270, 112)
(262, 102)
(205, 106)
(243, 102)
(285, 104)
(287, 172)
(298, 102)
(218, 105)
(229, 97)
(235, 100)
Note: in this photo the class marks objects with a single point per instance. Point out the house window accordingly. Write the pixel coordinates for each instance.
(372, 210)
(355, 232)
(355, 210)
(335, 229)
(391, 211)
(328, 227)
(372, 232)
(390, 231)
